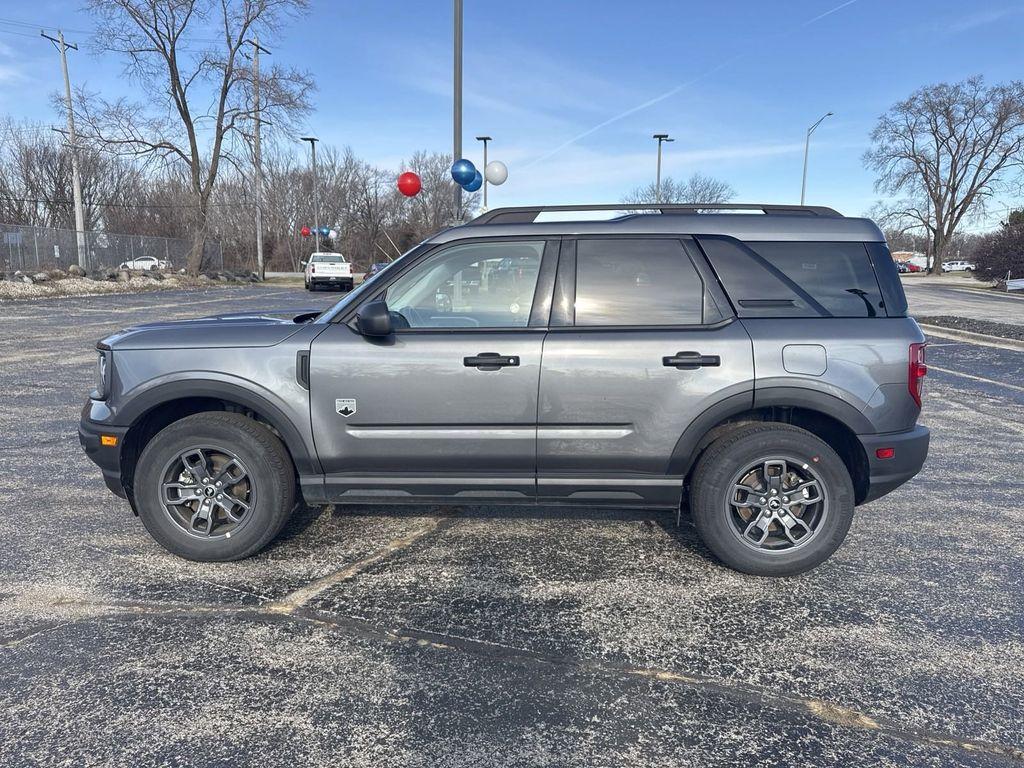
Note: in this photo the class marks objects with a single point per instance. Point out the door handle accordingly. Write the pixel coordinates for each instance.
(689, 361)
(490, 361)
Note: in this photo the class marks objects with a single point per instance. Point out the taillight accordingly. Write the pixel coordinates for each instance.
(916, 371)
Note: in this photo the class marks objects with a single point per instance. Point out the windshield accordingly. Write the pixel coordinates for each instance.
(356, 293)
(328, 258)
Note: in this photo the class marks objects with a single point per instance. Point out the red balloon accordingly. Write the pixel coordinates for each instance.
(409, 184)
(304, 231)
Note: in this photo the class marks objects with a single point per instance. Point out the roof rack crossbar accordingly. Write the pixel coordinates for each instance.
(528, 214)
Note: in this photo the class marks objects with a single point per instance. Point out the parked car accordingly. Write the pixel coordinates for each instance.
(375, 269)
(330, 269)
(902, 267)
(146, 262)
(958, 266)
(912, 267)
(762, 371)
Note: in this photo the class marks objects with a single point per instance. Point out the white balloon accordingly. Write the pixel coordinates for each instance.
(496, 172)
(333, 234)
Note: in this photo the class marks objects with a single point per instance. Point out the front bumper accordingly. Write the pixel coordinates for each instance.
(106, 457)
(909, 452)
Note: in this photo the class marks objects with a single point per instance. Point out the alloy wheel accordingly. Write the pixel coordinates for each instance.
(777, 504)
(207, 492)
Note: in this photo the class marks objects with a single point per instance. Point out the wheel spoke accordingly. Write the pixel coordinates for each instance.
(807, 493)
(230, 504)
(231, 473)
(752, 496)
(204, 515)
(196, 464)
(182, 492)
(761, 523)
(794, 528)
(774, 470)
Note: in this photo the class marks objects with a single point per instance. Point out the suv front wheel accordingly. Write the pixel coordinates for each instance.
(214, 486)
(771, 500)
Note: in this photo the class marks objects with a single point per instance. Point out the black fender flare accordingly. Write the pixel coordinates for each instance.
(689, 444)
(134, 409)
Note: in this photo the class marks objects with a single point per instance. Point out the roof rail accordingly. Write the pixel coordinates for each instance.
(528, 214)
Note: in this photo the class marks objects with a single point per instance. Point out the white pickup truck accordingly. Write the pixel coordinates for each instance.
(331, 269)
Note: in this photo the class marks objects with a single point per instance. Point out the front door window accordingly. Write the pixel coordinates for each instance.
(475, 285)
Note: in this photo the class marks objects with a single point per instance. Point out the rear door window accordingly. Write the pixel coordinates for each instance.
(636, 282)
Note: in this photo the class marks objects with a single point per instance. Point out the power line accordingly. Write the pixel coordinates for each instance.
(30, 25)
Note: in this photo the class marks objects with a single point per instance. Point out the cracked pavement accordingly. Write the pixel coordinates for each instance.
(499, 636)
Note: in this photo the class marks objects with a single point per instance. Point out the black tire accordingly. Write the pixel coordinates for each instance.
(719, 521)
(268, 465)
(310, 286)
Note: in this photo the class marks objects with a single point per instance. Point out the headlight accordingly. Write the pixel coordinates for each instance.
(102, 375)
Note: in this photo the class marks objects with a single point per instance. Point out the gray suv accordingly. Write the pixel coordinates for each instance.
(757, 367)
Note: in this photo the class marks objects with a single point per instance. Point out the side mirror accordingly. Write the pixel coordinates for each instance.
(303, 264)
(374, 319)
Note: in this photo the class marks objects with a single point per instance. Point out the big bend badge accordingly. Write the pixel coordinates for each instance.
(345, 407)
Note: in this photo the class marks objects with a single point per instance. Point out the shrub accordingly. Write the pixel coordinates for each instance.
(1002, 251)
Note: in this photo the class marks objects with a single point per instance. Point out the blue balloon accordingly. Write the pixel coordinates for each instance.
(463, 172)
(325, 231)
(475, 184)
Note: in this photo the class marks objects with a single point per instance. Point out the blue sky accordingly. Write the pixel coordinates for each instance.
(571, 91)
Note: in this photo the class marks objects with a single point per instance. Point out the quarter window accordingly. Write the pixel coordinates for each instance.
(639, 282)
(476, 285)
(837, 275)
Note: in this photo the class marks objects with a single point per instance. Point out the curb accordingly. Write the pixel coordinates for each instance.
(975, 338)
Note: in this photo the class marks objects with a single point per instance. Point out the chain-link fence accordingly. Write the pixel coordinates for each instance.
(26, 248)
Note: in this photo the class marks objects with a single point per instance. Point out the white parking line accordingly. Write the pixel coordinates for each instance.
(975, 378)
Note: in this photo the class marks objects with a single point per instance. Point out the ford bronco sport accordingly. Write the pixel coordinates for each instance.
(759, 368)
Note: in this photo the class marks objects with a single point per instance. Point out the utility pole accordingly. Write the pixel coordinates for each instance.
(76, 179)
(661, 137)
(457, 117)
(257, 157)
(316, 201)
(484, 139)
(807, 149)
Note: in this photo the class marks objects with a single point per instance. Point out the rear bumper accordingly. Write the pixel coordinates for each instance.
(106, 457)
(345, 282)
(910, 449)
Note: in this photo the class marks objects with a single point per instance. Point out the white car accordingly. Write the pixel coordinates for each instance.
(146, 262)
(957, 266)
(324, 268)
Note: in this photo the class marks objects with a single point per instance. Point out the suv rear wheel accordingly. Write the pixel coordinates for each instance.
(214, 486)
(771, 500)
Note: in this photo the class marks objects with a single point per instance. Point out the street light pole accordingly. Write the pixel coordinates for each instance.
(457, 99)
(316, 201)
(807, 149)
(661, 137)
(484, 139)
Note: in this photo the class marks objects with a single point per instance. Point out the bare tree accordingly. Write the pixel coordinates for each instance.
(947, 149)
(697, 189)
(187, 57)
(35, 179)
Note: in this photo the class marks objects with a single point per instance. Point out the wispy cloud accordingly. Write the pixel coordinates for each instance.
(980, 19)
(673, 91)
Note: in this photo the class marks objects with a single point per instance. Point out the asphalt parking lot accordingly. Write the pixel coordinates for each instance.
(418, 636)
